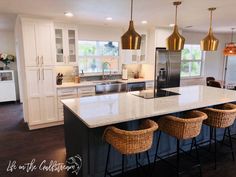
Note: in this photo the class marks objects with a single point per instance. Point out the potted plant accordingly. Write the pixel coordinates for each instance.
(6, 59)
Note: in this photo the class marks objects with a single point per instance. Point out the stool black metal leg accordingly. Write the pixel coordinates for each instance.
(211, 129)
(123, 164)
(136, 159)
(158, 142)
(108, 154)
(231, 144)
(224, 136)
(177, 157)
(215, 146)
(191, 148)
(198, 158)
(148, 159)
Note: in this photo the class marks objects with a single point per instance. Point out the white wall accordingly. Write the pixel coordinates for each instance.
(214, 61)
(7, 45)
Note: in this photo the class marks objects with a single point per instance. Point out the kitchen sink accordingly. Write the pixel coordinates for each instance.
(110, 87)
(110, 82)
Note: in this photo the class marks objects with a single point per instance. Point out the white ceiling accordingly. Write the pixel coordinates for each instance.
(156, 12)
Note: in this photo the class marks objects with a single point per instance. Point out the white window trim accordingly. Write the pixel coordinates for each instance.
(202, 60)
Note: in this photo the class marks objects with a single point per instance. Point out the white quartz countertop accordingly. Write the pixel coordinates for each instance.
(103, 110)
(93, 83)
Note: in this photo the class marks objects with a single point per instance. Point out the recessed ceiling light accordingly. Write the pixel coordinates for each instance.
(172, 25)
(68, 14)
(108, 18)
(144, 22)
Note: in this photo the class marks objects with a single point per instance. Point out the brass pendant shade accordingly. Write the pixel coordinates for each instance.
(131, 40)
(175, 42)
(210, 43)
(230, 48)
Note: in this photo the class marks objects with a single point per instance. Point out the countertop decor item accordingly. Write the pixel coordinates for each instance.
(59, 78)
(175, 42)
(230, 48)
(131, 39)
(210, 43)
(6, 59)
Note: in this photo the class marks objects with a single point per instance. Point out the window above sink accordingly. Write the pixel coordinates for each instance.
(93, 55)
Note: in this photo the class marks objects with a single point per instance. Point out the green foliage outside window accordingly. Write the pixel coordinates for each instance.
(191, 61)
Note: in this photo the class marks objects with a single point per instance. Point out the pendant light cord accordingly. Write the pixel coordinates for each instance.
(232, 35)
(211, 20)
(131, 16)
(176, 13)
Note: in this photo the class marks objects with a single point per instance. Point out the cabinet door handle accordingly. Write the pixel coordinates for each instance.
(42, 60)
(39, 75)
(37, 60)
(43, 73)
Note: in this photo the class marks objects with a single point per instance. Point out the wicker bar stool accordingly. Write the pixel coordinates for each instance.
(130, 142)
(187, 127)
(221, 116)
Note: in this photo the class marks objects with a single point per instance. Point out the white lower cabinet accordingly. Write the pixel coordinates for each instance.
(7, 86)
(72, 92)
(41, 93)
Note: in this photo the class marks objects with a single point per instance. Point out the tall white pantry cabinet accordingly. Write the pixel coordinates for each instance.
(35, 42)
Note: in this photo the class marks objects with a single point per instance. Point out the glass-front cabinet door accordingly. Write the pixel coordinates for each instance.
(71, 46)
(66, 45)
(60, 58)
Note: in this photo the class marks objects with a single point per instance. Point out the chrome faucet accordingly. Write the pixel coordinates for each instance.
(103, 70)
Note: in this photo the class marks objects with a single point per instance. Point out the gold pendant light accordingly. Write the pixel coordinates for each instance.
(131, 39)
(210, 43)
(230, 48)
(175, 42)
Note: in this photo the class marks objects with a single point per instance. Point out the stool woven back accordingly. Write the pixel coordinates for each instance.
(183, 128)
(209, 79)
(221, 116)
(214, 84)
(131, 142)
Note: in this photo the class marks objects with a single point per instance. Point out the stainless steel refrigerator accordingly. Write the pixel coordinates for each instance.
(167, 68)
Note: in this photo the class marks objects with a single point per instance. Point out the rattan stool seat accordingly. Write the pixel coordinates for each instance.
(221, 116)
(186, 127)
(131, 142)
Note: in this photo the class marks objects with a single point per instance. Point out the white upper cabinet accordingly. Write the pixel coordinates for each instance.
(136, 56)
(38, 36)
(29, 38)
(45, 43)
(66, 39)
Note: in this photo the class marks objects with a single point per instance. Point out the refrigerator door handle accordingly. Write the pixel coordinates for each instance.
(168, 72)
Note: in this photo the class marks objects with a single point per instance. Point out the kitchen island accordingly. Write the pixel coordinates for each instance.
(86, 119)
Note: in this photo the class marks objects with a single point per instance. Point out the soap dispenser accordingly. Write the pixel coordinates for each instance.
(124, 73)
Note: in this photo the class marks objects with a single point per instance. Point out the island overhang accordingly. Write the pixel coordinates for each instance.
(104, 110)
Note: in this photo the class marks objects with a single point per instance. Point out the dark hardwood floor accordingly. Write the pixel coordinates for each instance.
(19, 144)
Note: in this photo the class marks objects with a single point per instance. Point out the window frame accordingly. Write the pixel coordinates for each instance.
(101, 57)
(202, 60)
